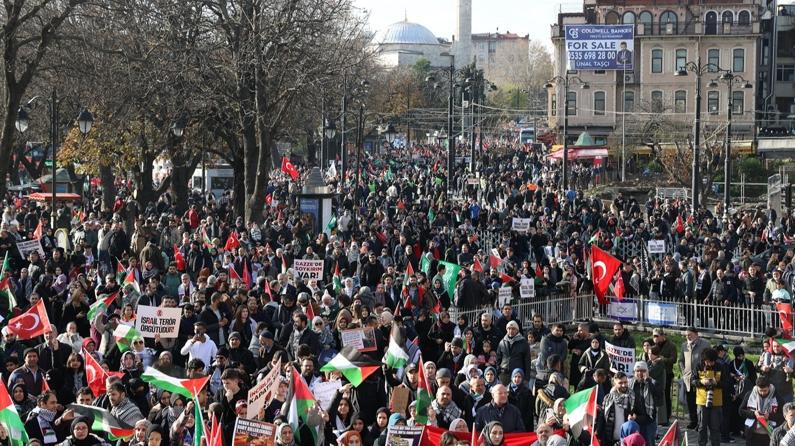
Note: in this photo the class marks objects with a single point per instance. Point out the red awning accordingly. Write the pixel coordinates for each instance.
(60, 196)
(579, 153)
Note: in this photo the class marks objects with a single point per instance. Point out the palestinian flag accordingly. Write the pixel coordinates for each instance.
(787, 344)
(424, 395)
(101, 305)
(763, 422)
(5, 291)
(198, 425)
(581, 408)
(206, 239)
(396, 356)
(302, 400)
(124, 336)
(332, 223)
(673, 437)
(9, 418)
(431, 216)
(185, 387)
(425, 265)
(337, 278)
(121, 272)
(450, 277)
(353, 365)
(104, 421)
(131, 280)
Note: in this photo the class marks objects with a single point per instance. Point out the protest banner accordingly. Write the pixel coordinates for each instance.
(254, 433)
(656, 246)
(29, 246)
(527, 288)
(505, 296)
(151, 321)
(308, 269)
(622, 359)
(325, 392)
(520, 224)
(362, 339)
(261, 394)
(403, 435)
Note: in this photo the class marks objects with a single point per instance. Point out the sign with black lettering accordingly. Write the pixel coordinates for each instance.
(151, 321)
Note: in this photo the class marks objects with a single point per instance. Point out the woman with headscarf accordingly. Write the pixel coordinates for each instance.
(73, 379)
(340, 415)
(76, 310)
(459, 425)
(491, 378)
(439, 293)
(325, 337)
(519, 395)
(395, 419)
(80, 434)
(90, 346)
(129, 366)
(441, 333)
(285, 435)
(466, 373)
(380, 423)
(493, 434)
(182, 429)
(23, 402)
(554, 416)
(593, 358)
(462, 323)
(350, 438)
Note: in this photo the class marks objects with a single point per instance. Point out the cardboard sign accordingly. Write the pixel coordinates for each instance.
(308, 269)
(325, 392)
(527, 288)
(253, 432)
(656, 246)
(622, 359)
(403, 435)
(261, 394)
(505, 296)
(400, 400)
(151, 321)
(29, 246)
(362, 339)
(520, 224)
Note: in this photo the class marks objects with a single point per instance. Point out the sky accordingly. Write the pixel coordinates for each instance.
(523, 17)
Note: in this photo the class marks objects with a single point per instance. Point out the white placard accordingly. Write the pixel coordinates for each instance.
(623, 310)
(527, 288)
(29, 246)
(505, 296)
(520, 224)
(622, 359)
(656, 246)
(151, 321)
(325, 392)
(308, 269)
(262, 393)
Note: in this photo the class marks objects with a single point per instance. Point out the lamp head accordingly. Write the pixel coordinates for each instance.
(681, 72)
(22, 120)
(85, 120)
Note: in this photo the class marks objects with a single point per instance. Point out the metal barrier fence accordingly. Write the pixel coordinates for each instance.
(739, 321)
(561, 309)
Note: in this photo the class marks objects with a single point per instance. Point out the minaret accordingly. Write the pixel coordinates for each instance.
(463, 36)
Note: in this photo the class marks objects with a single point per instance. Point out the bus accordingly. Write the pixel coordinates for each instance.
(527, 136)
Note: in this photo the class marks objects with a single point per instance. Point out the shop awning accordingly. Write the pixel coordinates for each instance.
(59, 196)
(579, 153)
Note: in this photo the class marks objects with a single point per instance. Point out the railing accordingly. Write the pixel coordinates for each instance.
(561, 309)
(740, 321)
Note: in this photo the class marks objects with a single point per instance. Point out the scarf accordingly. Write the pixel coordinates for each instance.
(449, 412)
(46, 415)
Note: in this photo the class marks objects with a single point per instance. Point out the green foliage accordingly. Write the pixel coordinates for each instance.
(753, 168)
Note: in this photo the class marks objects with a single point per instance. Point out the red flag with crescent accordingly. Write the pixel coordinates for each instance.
(603, 268)
(32, 323)
(95, 374)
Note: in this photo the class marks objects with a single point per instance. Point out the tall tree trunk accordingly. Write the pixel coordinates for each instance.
(108, 187)
(12, 100)
(180, 176)
(239, 198)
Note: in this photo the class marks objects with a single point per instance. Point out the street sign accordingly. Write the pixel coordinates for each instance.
(600, 47)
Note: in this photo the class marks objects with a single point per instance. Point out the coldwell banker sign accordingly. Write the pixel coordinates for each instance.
(600, 47)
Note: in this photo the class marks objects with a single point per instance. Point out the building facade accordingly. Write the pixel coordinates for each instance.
(501, 55)
(668, 35)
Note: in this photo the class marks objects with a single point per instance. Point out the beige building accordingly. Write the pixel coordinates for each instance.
(668, 34)
(502, 56)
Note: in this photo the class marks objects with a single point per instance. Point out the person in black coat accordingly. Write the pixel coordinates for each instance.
(500, 410)
(216, 318)
(513, 352)
(519, 395)
(228, 396)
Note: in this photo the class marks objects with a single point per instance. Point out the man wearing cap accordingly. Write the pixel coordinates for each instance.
(689, 360)
(453, 356)
(513, 352)
(238, 353)
(668, 359)
(643, 392)
(200, 346)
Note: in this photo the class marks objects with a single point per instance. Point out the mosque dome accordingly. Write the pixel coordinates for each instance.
(409, 33)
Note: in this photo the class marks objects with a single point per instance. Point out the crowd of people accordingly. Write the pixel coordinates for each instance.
(245, 310)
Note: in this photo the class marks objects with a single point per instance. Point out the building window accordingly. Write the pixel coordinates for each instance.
(680, 101)
(492, 47)
(571, 99)
(554, 104)
(629, 101)
(713, 59)
(599, 103)
(598, 71)
(629, 18)
(646, 19)
(785, 72)
(656, 102)
(681, 59)
(666, 18)
(744, 18)
(738, 60)
(711, 23)
(713, 102)
(611, 18)
(656, 60)
(727, 17)
(738, 102)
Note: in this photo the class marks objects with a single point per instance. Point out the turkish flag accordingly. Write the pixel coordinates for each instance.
(233, 273)
(494, 262)
(506, 278)
(603, 269)
(785, 316)
(39, 231)
(95, 374)
(246, 275)
(680, 225)
(477, 267)
(289, 168)
(232, 242)
(179, 259)
(32, 323)
(618, 288)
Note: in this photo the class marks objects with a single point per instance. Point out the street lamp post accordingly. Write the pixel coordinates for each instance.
(567, 81)
(730, 79)
(85, 120)
(450, 141)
